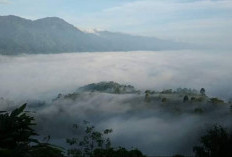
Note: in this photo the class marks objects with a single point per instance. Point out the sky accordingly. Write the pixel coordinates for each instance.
(206, 22)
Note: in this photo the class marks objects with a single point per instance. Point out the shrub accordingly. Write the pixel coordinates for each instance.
(193, 98)
(198, 110)
(202, 91)
(16, 136)
(216, 101)
(216, 143)
(90, 140)
(118, 152)
(186, 98)
(164, 100)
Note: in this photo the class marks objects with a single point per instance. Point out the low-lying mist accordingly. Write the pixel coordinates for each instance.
(43, 76)
(154, 128)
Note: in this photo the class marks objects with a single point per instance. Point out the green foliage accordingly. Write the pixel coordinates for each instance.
(202, 91)
(16, 136)
(147, 97)
(108, 87)
(177, 155)
(88, 140)
(147, 92)
(72, 96)
(198, 110)
(168, 91)
(16, 140)
(46, 150)
(216, 101)
(117, 90)
(186, 98)
(200, 99)
(216, 143)
(186, 91)
(164, 100)
(193, 98)
(119, 152)
(15, 129)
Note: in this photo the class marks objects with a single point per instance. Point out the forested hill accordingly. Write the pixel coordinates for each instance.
(54, 35)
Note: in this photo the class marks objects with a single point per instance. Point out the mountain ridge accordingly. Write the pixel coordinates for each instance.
(55, 35)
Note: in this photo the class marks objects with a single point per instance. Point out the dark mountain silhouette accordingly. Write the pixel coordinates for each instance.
(54, 35)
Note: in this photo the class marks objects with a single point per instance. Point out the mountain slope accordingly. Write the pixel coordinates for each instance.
(54, 35)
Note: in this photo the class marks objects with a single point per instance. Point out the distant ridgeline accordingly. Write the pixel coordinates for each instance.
(54, 35)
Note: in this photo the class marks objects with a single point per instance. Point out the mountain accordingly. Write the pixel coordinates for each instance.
(54, 35)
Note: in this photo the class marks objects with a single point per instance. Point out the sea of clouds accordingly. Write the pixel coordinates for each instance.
(153, 130)
(43, 76)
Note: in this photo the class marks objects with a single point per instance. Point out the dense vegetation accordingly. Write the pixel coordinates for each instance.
(182, 100)
(17, 136)
(216, 143)
(17, 139)
(109, 87)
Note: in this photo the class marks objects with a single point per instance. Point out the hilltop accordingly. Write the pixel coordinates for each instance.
(180, 100)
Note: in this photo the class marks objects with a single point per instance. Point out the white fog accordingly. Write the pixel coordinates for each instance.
(44, 76)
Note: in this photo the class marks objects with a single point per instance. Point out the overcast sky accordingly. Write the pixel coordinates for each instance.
(197, 21)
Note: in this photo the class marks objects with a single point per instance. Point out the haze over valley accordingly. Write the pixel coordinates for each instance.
(121, 78)
(38, 79)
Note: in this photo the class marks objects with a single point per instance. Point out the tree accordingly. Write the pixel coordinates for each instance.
(118, 152)
(186, 98)
(198, 110)
(164, 100)
(216, 143)
(177, 155)
(117, 90)
(202, 91)
(216, 101)
(193, 98)
(92, 143)
(16, 140)
(16, 136)
(90, 140)
(147, 97)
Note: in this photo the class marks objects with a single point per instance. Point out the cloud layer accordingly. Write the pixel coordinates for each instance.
(44, 76)
(154, 128)
(158, 130)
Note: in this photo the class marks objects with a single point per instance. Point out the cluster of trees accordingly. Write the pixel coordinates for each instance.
(16, 136)
(18, 139)
(189, 95)
(109, 87)
(216, 143)
(185, 91)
